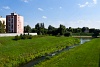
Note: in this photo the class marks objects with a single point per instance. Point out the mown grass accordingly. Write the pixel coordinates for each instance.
(13, 53)
(87, 55)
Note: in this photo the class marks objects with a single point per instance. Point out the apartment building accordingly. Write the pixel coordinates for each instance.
(14, 23)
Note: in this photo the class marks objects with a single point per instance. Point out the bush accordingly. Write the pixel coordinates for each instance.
(29, 36)
(17, 37)
(95, 34)
(23, 36)
(58, 35)
(67, 34)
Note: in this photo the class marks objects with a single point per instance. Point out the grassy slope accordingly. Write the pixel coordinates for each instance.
(87, 55)
(13, 53)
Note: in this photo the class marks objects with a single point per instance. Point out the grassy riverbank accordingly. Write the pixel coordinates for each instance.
(13, 53)
(87, 55)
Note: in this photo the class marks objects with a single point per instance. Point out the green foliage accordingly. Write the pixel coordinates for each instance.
(2, 27)
(86, 55)
(33, 30)
(95, 34)
(58, 35)
(24, 36)
(27, 29)
(17, 37)
(30, 36)
(14, 53)
(40, 28)
(82, 34)
(62, 29)
(67, 34)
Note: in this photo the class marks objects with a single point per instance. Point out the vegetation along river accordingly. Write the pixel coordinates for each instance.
(40, 59)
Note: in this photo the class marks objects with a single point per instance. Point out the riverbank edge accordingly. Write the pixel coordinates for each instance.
(83, 36)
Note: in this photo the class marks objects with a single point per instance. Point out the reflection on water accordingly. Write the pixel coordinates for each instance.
(83, 40)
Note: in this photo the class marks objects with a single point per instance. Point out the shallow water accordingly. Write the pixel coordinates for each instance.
(83, 40)
(38, 60)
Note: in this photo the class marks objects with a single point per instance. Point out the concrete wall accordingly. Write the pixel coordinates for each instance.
(14, 34)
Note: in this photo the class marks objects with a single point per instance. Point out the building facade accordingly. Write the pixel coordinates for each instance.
(14, 23)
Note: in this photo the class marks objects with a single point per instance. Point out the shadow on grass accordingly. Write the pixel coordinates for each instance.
(14, 39)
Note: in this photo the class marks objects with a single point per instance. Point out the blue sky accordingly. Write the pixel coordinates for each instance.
(71, 13)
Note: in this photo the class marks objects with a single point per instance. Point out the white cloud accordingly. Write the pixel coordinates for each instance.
(60, 7)
(89, 4)
(95, 1)
(6, 7)
(40, 9)
(26, 1)
(44, 17)
(86, 4)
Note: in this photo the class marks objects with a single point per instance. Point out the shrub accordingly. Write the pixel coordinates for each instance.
(23, 36)
(58, 35)
(95, 34)
(29, 36)
(17, 37)
(67, 34)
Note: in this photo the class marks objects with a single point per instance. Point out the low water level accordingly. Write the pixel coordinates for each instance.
(36, 61)
(83, 40)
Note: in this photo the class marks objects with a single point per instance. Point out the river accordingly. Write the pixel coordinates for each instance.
(38, 60)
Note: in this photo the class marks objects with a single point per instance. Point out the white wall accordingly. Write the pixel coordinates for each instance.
(14, 34)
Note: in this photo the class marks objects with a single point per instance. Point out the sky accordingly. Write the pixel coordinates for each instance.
(71, 13)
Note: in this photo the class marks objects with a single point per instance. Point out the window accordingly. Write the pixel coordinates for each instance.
(9, 19)
(12, 26)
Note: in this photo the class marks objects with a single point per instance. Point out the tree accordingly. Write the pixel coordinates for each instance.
(96, 33)
(67, 34)
(62, 29)
(91, 30)
(2, 27)
(27, 29)
(85, 29)
(70, 29)
(40, 28)
(33, 30)
(50, 29)
(79, 30)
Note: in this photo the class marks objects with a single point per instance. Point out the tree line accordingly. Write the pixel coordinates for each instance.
(61, 30)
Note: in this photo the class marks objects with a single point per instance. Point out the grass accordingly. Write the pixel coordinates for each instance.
(13, 53)
(87, 55)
